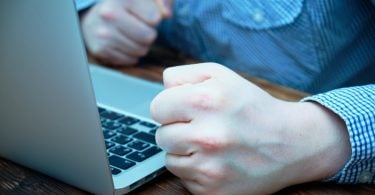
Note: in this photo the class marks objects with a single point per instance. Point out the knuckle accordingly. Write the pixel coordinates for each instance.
(215, 65)
(210, 143)
(106, 12)
(168, 71)
(203, 100)
(168, 77)
(210, 98)
(155, 20)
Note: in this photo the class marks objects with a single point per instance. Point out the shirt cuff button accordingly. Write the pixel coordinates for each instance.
(258, 16)
(365, 177)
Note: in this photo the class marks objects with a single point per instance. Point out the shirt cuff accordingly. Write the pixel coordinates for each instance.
(83, 4)
(356, 106)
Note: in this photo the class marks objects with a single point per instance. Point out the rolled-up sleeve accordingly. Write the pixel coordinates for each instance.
(356, 106)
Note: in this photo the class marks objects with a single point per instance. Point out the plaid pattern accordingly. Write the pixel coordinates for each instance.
(356, 106)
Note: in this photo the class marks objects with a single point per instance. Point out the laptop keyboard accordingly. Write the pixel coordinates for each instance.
(128, 140)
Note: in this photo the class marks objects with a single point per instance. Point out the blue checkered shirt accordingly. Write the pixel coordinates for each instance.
(310, 45)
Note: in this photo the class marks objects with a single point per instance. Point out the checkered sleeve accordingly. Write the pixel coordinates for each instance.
(356, 106)
(83, 4)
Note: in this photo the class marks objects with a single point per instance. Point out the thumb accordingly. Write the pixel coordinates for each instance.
(190, 74)
(165, 7)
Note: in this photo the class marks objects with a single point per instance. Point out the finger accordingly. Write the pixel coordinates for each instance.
(181, 166)
(128, 46)
(115, 57)
(115, 49)
(194, 187)
(198, 169)
(109, 37)
(164, 7)
(175, 139)
(192, 74)
(150, 12)
(139, 31)
(128, 25)
(184, 167)
(172, 105)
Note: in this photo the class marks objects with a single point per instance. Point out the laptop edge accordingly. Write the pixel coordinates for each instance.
(51, 123)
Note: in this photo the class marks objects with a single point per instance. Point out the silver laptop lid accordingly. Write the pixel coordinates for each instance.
(49, 120)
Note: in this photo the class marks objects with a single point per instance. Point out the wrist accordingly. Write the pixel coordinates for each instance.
(323, 138)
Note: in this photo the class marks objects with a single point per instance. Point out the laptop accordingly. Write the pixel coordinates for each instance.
(83, 124)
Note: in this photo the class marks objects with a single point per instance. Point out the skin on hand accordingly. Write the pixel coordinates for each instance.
(224, 135)
(119, 32)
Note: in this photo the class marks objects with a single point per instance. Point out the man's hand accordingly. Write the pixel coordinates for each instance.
(224, 135)
(119, 32)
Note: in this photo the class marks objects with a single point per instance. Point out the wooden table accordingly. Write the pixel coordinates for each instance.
(15, 179)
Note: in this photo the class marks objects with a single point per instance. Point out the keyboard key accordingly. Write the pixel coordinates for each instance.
(102, 120)
(109, 144)
(111, 125)
(137, 156)
(145, 137)
(101, 109)
(111, 115)
(152, 151)
(115, 171)
(147, 124)
(138, 145)
(120, 139)
(128, 120)
(141, 156)
(119, 150)
(108, 134)
(153, 131)
(120, 162)
(127, 130)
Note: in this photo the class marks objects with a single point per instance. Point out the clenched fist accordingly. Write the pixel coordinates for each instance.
(224, 135)
(119, 32)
